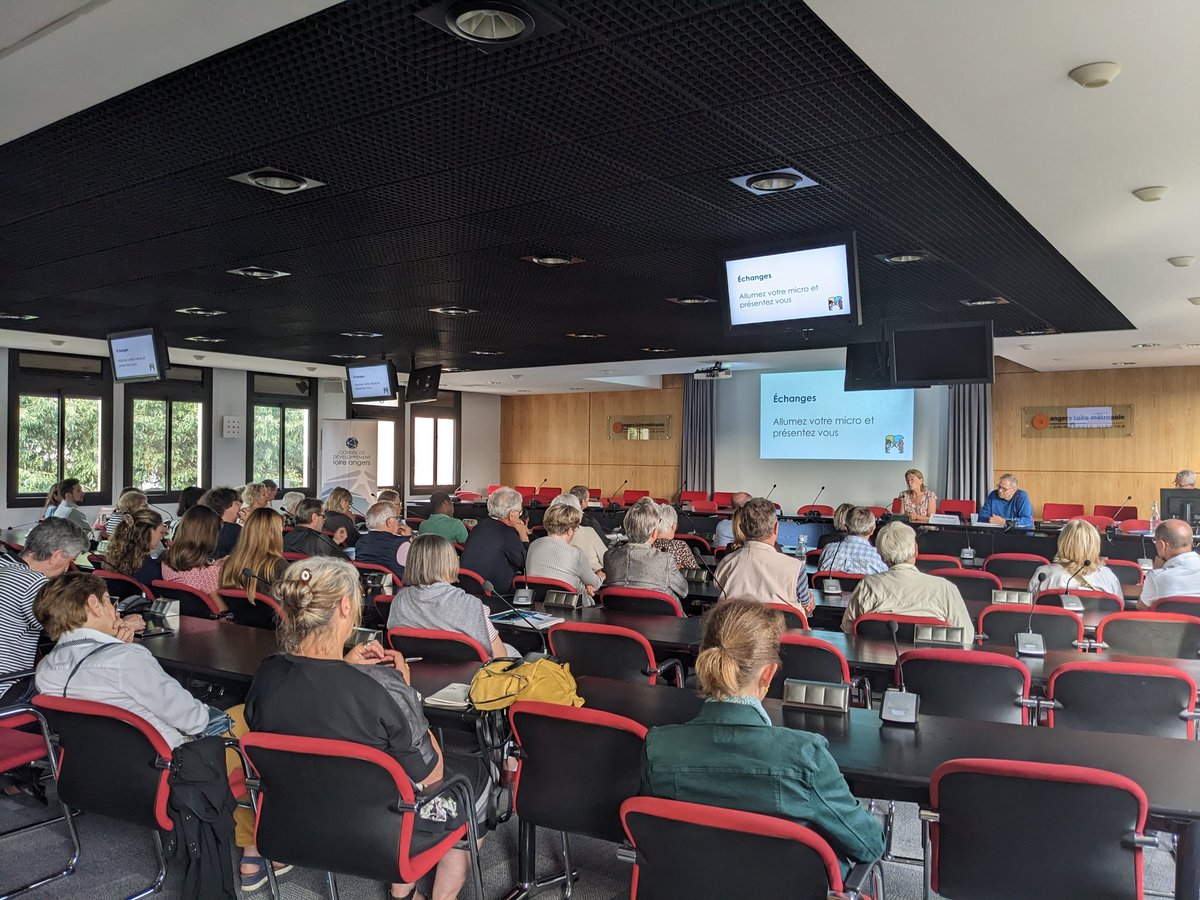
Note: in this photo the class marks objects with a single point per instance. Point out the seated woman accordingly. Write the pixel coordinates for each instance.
(918, 502)
(134, 545)
(260, 549)
(586, 538)
(554, 556)
(255, 495)
(839, 526)
(636, 563)
(227, 504)
(188, 498)
(337, 516)
(130, 501)
(731, 755)
(313, 688)
(190, 558)
(94, 659)
(290, 499)
(668, 522)
(431, 599)
(53, 498)
(1078, 543)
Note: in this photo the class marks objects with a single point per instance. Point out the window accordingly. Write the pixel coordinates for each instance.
(389, 422)
(167, 439)
(58, 426)
(282, 444)
(434, 453)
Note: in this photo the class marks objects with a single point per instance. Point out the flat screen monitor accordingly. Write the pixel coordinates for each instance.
(423, 384)
(139, 355)
(959, 353)
(789, 290)
(1179, 503)
(372, 380)
(869, 367)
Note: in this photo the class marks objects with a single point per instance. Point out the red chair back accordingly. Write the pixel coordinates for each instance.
(262, 611)
(1128, 525)
(472, 583)
(723, 498)
(121, 586)
(1062, 510)
(1091, 600)
(1127, 572)
(437, 645)
(1121, 697)
(1187, 606)
(1162, 634)
(696, 542)
(966, 684)
(540, 586)
(526, 491)
(929, 562)
(897, 505)
(606, 651)
(706, 507)
(875, 626)
(692, 496)
(849, 580)
(492, 488)
(793, 616)
(971, 583)
(1021, 565)
(1120, 513)
(638, 600)
(468, 496)
(877, 511)
(192, 601)
(819, 509)
(1000, 623)
(809, 659)
(293, 556)
(632, 496)
(1098, 521)
(962, 508)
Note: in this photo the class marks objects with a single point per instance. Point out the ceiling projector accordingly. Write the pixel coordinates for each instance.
(716, 372)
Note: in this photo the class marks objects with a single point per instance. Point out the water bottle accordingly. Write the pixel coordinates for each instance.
(1154, 519)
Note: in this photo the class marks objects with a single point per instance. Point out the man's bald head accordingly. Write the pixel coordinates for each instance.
(1173, 537)
(739, 499)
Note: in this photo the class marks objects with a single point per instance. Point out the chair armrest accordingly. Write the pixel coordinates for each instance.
(667, 666)
(857, 882)
(1136, 839)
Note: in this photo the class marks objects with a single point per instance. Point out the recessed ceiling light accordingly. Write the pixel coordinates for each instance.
(197, 356)
(17, 317)
(1181, 262)
(1145, 346)
(201, 339)
(691, 300)
(348, 355)
(658, 349)
(258, 273)
(901, 257)
(1189, 346)
(1027, 346)
(1094, 74)
(985, 301)
(276, 180)
(453, 310)
(553, 260)
(524, 391)
(1195, 301)
(1124, 364)
(586, 335)
(361, 334)
(495, 382)
(199, 311)
(57, 342)
(310, 368)
(774, 182)
(491, 25)
(1151, 194)
(487, 352)
(1031, 332)
(577, 389)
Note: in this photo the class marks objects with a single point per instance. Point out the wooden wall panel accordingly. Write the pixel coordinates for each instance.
(1166, 435)
(545, 429)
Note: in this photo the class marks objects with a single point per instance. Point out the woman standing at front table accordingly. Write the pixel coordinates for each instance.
(918, 502)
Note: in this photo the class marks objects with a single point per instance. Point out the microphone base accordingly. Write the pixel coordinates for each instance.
(1030, 644)
(1074, 604)
(534, 655)
(899, 707)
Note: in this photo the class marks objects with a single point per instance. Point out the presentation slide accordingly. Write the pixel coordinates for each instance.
(809, 415)
(803, 284)
(134, 357)
(369, 381)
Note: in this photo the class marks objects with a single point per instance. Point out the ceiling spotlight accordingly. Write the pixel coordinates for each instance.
(774, 182)
(276, 180)
(361, 334)
(1027, 346)
(491, 24)
(199, 311)
(347, 356)
(586, 335)
(17, 317)
(453, 310)
(1195, 301)
(1030, 332)
(985, 301)
(310, 368)
(577, 389)
(904, 256)
(487, 352)
(1151, 194)
(197, 356)
(1144, 346)
(57, 342)
(258, 273)
(1095, 74)
(1181, 262)
(1189, 346)
(691, 300)
(495, 382)
(551, 260)
(658, 349)
(201, 339)
(1124, 364)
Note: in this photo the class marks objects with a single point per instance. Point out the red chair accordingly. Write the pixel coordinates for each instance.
(967, 684)
(373, 836)
(999, 624)
(545, 494)
(849, 580)
(526, 491)
(819, 509)
(436, 645)
(192, 601)
(631, 496)
(1014, 565)
(1127, 572)
(1050, 850)
(929, 562)
(540, 586)
(1055, 511)
(98, 561)
(261, 612)
(1162, 634)
(595, 493)
(877, 511)
(690, 850)
(897, 505)
(492, 488)
(468, 496)
(1130, 525)
(874, 626)
(21, 748)
(696, 542)
(1126, 698)
(121, 586)
(380, 585)
(723, 498)
(809, 659)
(692, 496)
(1100, 601)
(962, 508)
(293, 556)
(793, 615)
(1120, 513)
(1187, 606)
(413, 522)
(1100, 522)
(971, 584)
(638, 600)
(609, 651)
(706, 507)
(472, 583)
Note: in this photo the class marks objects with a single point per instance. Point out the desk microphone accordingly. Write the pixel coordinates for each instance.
(967, 552)
(463, 485)
(1030, 643)
(1074, 603)
(679, 493)
(700, 559)
(1114, 527)
(490, 588)
(167, 517)
(613, 504)
(770, 492)
(899, 707)
(812, 514)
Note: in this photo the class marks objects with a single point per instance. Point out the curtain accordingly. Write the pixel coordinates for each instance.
(696, 463)
(969, 442)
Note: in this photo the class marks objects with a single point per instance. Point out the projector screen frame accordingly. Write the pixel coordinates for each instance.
(945, 327)
(393, 380)
(161, 356)
(848, 240)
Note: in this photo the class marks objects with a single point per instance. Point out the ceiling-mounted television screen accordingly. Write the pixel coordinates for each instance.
(139, 355)
(868, 367)
(958, 353)
(789, 290)
(423, 384)
(372, 380)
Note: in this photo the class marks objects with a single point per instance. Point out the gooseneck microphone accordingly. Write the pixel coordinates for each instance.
(899, 707)
(490, 588)
(612, 503)
(812, 513)
(1071, 602)
(167, 517)
(1029, 642)
(770, 492)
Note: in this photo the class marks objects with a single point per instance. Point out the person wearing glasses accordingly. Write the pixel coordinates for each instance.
(386, 542)
(307, 537)
(1007, 503)
(1176, 571)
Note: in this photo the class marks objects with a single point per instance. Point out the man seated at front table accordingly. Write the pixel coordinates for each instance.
(854, 554)
(758, 569)
(306, 537)
(72, 495)
(441, 519)
(495, 551)
(1007, 503)
(724, 533)
(1185, 479)
(386, 542)
(904, 589)
(1176, 571)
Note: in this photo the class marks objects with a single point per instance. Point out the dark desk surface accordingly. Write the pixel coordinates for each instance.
(214, 648)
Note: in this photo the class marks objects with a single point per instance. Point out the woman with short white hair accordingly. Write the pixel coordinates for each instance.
(636, 564)
(668, 522)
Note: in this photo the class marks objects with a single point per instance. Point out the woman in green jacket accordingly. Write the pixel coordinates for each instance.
(731, 755)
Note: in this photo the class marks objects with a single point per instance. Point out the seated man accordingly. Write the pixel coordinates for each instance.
(49, 550)
(496, 548)
(581, 493)
(904, 589)
(758, 570)
(1176, 571)
(306, 537)
(635, 563)
(1007, 503)
(723, 536)
(854, 554)
(386, 542)
(585, 538)
(72, 495)
(441, 519)
(1185, 479)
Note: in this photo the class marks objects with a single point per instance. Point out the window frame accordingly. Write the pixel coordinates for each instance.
(450, 408)
(170, 391)
(398, 416)
(281, 402)
(60, 384)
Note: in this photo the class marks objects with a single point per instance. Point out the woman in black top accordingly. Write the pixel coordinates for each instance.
(132, 545)
(226, 503)
(311, 689)
(337, 516)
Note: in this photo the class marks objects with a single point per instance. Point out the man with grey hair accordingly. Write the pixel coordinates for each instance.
(496, 548)
(854, 554)
(581, 493)
(905, 590)
(1176, 571)
(636, 564)
(1007, 503)
(1185, 479)
(386, 542)
(50, 549)
(585, 539)
(723, 536)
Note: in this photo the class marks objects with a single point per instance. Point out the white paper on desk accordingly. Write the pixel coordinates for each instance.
(526, 620)
(452, 696)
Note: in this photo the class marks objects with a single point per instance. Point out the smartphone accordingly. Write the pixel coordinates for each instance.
(364, 636)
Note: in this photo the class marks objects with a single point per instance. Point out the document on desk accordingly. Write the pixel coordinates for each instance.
(526, 619)
(452, 696)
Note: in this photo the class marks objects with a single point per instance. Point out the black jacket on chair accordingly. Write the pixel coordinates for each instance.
(202, 805)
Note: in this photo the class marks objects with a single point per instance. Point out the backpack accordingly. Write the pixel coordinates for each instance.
(502, 682)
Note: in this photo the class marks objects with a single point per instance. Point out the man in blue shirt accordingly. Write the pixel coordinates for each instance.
(1007, 502)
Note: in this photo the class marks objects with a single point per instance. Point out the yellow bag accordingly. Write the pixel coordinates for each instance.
(503, 682)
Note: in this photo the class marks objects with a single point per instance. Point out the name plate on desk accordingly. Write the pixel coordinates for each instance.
(1023, 597)
(816, 695)
(695, 574)
(830, 586)
(944, 519)
(938, 634)
(565, 600)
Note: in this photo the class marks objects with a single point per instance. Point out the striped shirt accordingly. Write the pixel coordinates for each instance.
(19, 630)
